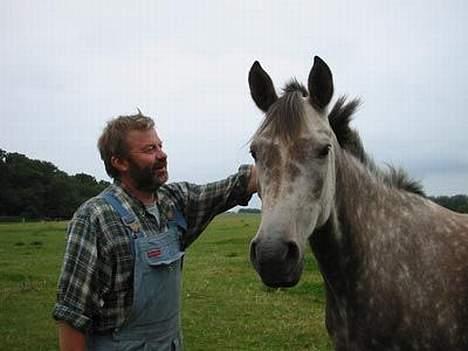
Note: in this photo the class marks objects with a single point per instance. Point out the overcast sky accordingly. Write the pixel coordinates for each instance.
(68, 67)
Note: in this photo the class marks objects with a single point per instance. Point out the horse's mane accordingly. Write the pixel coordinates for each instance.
(339, 118)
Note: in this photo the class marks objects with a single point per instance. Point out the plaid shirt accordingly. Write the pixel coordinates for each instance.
(95, 289)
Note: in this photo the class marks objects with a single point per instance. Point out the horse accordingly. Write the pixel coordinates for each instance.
(394, 263)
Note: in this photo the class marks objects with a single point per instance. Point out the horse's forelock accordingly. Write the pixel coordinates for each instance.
(293, 85)
(286, 117)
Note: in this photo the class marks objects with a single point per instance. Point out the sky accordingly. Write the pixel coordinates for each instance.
(68, 67)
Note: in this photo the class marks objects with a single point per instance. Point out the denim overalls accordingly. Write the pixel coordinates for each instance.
(154, 320)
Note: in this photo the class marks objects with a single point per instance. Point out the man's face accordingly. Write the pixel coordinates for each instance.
(147, 162)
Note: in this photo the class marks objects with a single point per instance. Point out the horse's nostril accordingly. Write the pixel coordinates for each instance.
(293, 251)
(253, 251)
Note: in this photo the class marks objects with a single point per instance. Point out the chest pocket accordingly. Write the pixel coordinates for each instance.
(162, 249)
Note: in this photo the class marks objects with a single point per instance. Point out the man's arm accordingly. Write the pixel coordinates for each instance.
(77, 295)
(201, 203)
(70, 339)
(252, 186)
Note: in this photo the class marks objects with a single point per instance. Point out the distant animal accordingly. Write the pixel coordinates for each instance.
(394, 264)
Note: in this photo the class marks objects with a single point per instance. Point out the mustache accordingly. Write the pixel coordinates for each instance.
(159, 165)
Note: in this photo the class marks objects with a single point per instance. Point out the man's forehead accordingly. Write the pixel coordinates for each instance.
(143, 137)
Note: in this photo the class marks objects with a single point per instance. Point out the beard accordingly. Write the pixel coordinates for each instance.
(148, 179)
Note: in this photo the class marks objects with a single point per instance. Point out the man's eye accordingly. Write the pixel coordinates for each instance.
(150, 149)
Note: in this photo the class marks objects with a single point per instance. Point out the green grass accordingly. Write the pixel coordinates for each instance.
(225, 306)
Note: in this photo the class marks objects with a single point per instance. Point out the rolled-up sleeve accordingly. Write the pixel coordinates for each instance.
(77, 295)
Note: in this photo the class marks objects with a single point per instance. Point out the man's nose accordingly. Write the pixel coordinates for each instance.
(161, 155)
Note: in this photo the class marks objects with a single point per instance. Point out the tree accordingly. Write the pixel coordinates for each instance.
(457, 203)
(38, 189)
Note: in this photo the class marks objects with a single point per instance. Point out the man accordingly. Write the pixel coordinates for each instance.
(120, 282)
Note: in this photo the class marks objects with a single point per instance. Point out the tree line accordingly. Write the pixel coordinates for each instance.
(36, 189)
(457, 203)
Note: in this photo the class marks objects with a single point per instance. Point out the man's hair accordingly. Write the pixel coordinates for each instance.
(112, 141)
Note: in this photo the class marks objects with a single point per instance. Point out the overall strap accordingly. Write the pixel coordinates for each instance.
(128, 217)
(179, 219)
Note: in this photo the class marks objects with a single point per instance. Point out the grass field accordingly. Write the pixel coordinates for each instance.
(225, 305)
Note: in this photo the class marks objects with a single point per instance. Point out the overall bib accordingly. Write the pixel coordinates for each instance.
(154, 320)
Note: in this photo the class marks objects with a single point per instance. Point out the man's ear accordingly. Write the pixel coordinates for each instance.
(119, 164)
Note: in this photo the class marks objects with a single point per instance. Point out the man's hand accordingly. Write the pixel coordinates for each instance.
(252, 186)
(71, 339)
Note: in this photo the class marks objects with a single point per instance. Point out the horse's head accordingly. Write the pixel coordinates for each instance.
(294, 155)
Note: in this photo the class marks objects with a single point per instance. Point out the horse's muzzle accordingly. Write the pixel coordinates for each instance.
(278, 262)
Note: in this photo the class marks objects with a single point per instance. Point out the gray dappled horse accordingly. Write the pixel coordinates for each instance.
(395, 265)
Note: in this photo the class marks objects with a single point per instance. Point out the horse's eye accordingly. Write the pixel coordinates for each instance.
(324, 151)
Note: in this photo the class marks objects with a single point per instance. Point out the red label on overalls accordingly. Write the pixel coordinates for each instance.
(154, 253)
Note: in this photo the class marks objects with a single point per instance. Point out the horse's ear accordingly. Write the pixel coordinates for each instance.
(261, 87)
(320, 84)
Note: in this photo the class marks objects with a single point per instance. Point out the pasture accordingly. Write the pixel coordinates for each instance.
(226, 307)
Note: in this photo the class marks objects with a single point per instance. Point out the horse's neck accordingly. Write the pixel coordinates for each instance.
(338, 245)
(361, 198)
